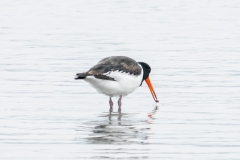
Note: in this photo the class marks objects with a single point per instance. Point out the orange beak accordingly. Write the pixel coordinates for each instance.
(151, 89)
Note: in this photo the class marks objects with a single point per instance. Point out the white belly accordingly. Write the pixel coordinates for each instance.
(124, 84)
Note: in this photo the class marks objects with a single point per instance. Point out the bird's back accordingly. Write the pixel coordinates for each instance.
(114, 63)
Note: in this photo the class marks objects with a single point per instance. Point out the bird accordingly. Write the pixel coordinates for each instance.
(118, 76)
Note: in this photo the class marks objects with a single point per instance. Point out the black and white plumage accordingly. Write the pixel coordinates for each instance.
(117, 76)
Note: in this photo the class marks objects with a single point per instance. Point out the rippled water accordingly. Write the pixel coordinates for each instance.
(192, 47)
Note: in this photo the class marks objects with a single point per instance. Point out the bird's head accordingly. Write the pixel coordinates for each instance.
(146, 71)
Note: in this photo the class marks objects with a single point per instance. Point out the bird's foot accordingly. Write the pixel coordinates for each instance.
(111, 109)
(119, 110)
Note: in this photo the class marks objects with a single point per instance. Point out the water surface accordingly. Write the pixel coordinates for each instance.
(192, 47)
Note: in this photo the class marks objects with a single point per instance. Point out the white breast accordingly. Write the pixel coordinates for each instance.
(124, 84)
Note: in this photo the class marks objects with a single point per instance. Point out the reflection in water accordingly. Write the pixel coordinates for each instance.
(119, 128)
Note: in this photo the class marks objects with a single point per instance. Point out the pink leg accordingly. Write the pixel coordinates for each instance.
(111, 104)
(119, 103)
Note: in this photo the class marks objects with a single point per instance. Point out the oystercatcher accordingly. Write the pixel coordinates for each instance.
(118, 76)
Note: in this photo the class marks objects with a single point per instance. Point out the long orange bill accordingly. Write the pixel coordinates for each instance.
(151, 89)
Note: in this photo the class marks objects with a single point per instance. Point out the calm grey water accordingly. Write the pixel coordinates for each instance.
(193, 48)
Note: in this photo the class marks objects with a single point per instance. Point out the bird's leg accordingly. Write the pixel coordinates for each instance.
(119, 103)
(111, 104)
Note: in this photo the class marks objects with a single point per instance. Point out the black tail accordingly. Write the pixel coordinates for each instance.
(81, 76)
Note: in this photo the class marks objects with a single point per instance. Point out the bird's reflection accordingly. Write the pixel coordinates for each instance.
(119, 116)
(120, 128)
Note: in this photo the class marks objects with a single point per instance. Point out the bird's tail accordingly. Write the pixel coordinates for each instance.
(81, 76)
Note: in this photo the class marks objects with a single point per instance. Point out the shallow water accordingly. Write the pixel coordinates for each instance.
(192, 47)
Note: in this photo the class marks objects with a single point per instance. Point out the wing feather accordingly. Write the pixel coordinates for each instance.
(114, 63)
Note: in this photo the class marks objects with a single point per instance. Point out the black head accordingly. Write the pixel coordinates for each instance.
(146, 70)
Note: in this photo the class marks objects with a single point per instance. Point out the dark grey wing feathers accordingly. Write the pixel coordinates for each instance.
(104, 77)
(114, 63)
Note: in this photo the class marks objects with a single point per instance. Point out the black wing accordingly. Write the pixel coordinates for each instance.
(113, 63)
